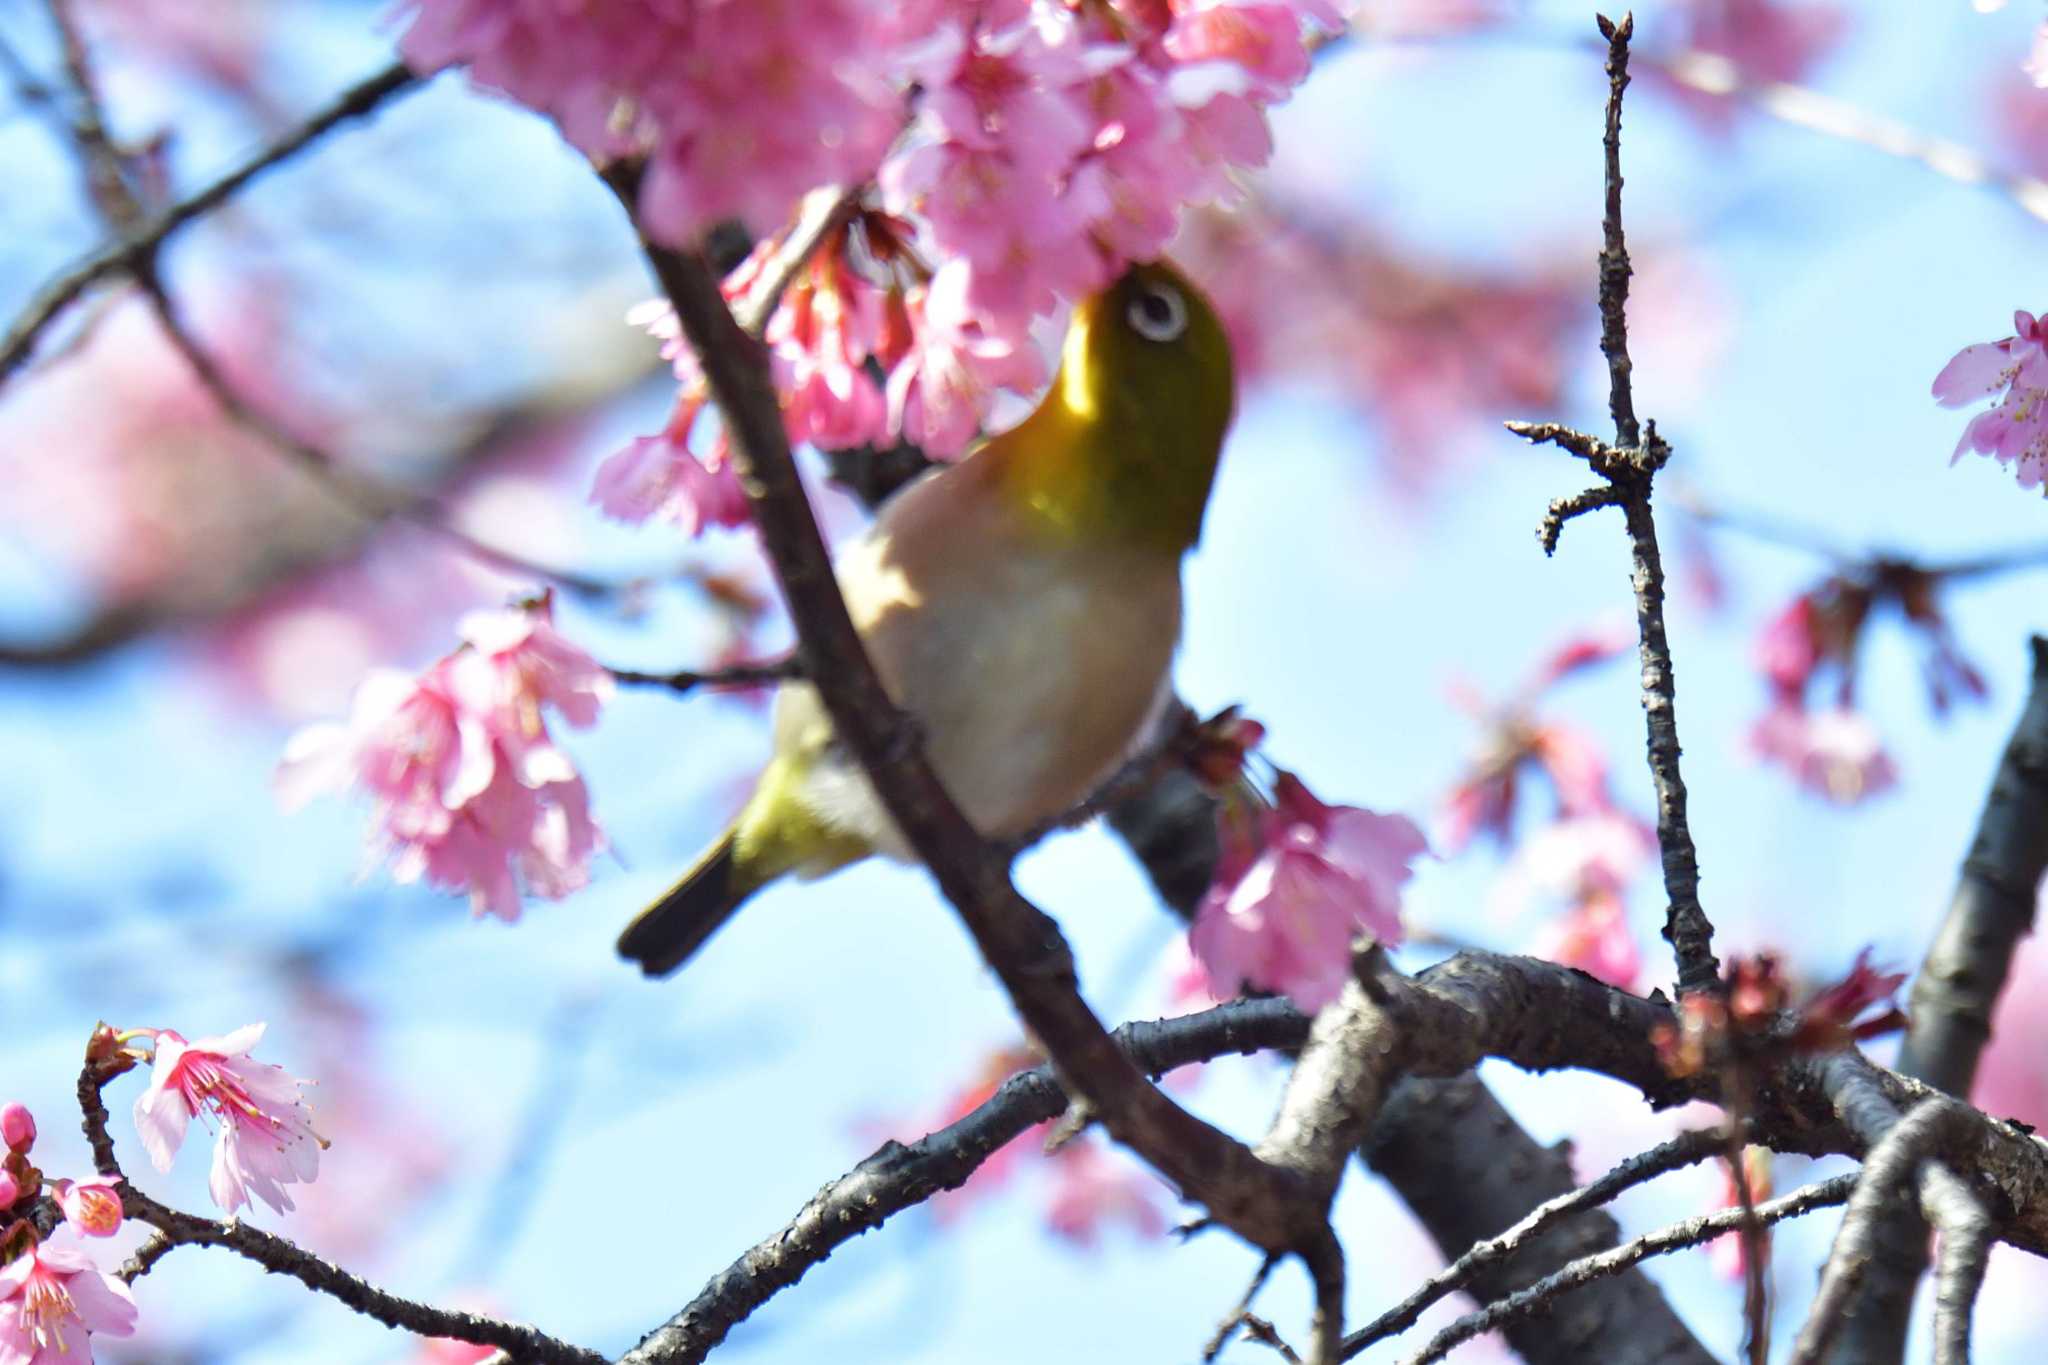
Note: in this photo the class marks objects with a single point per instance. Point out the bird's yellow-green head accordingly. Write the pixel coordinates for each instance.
(1126, 443)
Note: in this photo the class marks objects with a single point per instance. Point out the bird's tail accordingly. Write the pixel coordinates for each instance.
(664, 935)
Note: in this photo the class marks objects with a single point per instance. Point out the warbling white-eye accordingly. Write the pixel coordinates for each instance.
(1022, 605)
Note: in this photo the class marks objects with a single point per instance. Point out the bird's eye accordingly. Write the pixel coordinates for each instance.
(1158, 312)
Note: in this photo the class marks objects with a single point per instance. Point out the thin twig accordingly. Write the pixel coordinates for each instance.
(1628, 468)
(1539, 1296)
(159, 1245)
(133, 253)
(732, 675)
(106, 170)
(1241, 1315)
(368, 498)
(273, 1253)
(1686, 1149)
(897, 1177)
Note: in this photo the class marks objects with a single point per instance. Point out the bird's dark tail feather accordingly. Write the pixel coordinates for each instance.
(664, 935)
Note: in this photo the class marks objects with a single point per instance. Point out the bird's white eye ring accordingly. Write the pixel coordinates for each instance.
(1158, 313)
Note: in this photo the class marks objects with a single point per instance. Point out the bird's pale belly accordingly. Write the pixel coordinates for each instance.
(1029, 685)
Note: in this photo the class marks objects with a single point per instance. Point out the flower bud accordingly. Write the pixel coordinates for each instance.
(17, 1127)
(9, 1191)
(92, 1206)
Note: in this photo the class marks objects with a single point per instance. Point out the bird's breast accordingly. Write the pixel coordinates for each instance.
(1031, 666)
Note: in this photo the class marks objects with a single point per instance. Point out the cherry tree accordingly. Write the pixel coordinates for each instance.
(458, 469)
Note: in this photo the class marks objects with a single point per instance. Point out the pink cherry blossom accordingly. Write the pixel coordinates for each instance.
(53, 1300)
(17, 1126)
(1322, 875)
(942, 389)
(740, 107)
(468, 788)
(10, 1190)
(2014, 430)
(1093, 1187)
(93, 1205)
(266, 1138)
(1594, 936)
(661, 478)
(1833, 753)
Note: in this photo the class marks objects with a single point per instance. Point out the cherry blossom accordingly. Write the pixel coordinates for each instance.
(17, 1127)
(1587, 862)
(1517, 739)
(740, 107)
(1283, 918)
(1093, 1187)
(660, 478)
(468, 788)
(93, 1205)
(1833, 753)
(266, 1139)
(53, 1301)
(2014, 429)
(10, 1191)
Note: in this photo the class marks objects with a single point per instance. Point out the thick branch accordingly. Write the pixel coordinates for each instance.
(1955, 993)
(130, 255)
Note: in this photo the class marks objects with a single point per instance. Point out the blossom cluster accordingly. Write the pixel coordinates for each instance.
(1590, 849)
(1811, 647)
(2013, 372)
(1298, 880)
(468, 788)
(53, 1298)
(1015, 154)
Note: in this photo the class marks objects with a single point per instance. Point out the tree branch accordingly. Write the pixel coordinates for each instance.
(733, 675)
(897, 1177)
(140, 250)
(1705, 1227)
(1629, 467)
(1686, 1149)
(1954, 995)
(175, 1228)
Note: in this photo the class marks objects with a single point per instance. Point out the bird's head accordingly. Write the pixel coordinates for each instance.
(1135, 420)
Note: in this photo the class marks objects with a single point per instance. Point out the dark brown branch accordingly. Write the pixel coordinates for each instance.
(1629, 468)
(159, 1245)
(1686, 1149)
(140, 250)
(1563, 510)
(732, 675)
(898, 1177)
(275, 1254)
(1955, 992)
(1540, 1296)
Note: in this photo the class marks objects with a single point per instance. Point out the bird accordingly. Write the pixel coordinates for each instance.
(1022, 604)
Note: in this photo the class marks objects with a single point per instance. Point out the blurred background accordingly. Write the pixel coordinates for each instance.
(522, 1124)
